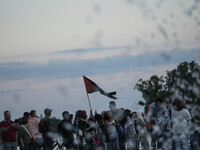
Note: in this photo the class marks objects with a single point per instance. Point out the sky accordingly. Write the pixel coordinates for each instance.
(47, 46)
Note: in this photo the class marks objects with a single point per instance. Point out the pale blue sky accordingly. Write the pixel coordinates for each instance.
(46, 47)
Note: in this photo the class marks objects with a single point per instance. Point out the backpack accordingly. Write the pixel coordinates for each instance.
(41, 127)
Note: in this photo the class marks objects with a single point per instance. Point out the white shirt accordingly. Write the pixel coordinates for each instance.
(180, 121)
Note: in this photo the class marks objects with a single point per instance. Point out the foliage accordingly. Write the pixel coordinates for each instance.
(183, 81)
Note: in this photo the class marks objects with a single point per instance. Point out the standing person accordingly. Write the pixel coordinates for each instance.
(118, 117)
(160, 117)
(101, 130)
(129, 131)
(46, 128)
(33, 128)
(86, 138)
(66, 130)
(25, 135)
(180, 121)
(134, 119)
(113, 139)
(8, 131)
(142, 131)
(195, 137)
(77, 135)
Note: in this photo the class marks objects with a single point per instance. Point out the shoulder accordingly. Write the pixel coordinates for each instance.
(21, 128)
(186, 112)
(31, 121)
(1, 124)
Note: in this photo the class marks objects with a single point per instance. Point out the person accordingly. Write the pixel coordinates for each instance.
(66, 130)
(134, 119)
(195, 135)
(86, 137)
(8, 131)
(161, 118)
(33, 128)
(142, 131)
(77, 136)
(101, 130)
(113, 139)
(25, 135)
(48, 131)
(118, 117)
(180, 121)
(92, 130)
(129, 131)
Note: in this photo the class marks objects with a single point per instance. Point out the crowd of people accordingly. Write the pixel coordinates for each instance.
(171, 127)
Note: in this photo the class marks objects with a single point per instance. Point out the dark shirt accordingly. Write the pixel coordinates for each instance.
(66, 129)
(24, 135)
(47, 124)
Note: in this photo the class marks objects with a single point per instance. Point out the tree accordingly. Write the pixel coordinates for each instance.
(183, 81)
(152, 88)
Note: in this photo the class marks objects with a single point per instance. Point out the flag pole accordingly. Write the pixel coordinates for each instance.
(87, 95)
(89, 101)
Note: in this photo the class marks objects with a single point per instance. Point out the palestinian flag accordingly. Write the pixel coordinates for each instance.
(92, 87)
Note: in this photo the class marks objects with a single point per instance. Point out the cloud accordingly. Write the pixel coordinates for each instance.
(86, 50)
(12, 91)
(75, 68)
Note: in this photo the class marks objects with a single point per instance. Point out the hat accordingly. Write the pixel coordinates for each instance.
(47, 111)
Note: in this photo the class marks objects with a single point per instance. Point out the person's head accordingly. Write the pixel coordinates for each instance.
(33, 113)
(175, 100)
(47, 112)
(112, 105)
(160, 101)
(7, 115)
(107, 115)
(78, 114)
(91, 119)
(180, 104)
(127, 112)
(83, 115)
(134, 115)
(66, 115)
(97, 117)
(71, 117)
(26, 114)
(102, 114)
(24, 120)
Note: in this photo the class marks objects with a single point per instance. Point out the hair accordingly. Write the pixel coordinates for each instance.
(135, 113)
(5, 112)
(26, 114)
(107, 115)
(66, 115)
(127, 112)
(77, 117)
(159, 100)
(65, 112)
(91, 119)
(32, 112)
(99, 120)
(175, 100)
(112, 103)
(24, 120)
(179, 105)
(83, 114)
